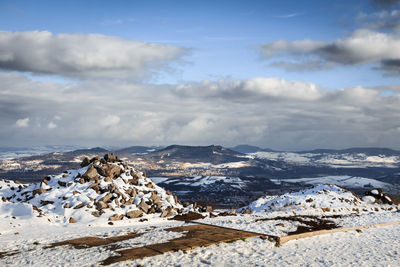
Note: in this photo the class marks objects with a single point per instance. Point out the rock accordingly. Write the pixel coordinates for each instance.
(96, 158)
(80, 205)
(167, 212)
(85, 162)
(76, 192)
(72, 220)
(39, 191)
(91, 174)
(150, 185)
(110, 157)
(109, 170)
(101, 205)
(247, 211)
(116, 217)
(129, 202)
(134, 181)
(209, 208)
(188, 216)
(46, 180)
(168, 192)
(386, 199)
(94, 185)
(62, 183)
(107, 197)
(152, 210)
(134, 214)
(45, 202)
(212, 215)
(95, 214)
(185, 204)
(143, 206)
(108, 179)
(154, 197)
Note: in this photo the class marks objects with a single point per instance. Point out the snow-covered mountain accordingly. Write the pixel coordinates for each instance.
(333, 159)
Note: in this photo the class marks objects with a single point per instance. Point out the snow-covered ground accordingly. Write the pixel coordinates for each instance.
(207, 165)
(28, 232)
(332, 160)
(18, 152)
(344, 180)
(371, 247)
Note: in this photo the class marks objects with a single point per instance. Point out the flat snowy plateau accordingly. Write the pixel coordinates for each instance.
(380, 246)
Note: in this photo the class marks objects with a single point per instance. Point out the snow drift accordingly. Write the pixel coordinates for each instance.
(320, 199)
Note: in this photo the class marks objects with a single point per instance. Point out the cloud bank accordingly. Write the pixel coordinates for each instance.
(84, 55)
(270, 112)
(361, 47)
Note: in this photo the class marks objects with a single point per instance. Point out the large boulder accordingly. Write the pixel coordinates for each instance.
(91, 174)
(110, 170)
(110, 157)
(85, 162)
(134, 214)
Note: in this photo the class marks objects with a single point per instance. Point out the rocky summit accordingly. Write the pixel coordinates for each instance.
(105, 188)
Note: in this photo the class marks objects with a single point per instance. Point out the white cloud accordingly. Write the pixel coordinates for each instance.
(83, 55)
(51, 125)
(253, 89)
(386, 19)
(270, 112)
(22, 123)
(110, 120)
(361, 47)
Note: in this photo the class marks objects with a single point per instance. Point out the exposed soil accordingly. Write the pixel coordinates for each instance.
(196, 236)
(309, 223)
(92, 241)
(187, 217)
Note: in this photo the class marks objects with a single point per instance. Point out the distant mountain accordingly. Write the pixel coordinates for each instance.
(250, 149)
(369, 151)
(212, 154)
(138, 149)
(95, 150)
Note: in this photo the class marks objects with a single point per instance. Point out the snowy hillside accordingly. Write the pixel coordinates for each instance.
(343, 181)
(333, 160)
(319, 200)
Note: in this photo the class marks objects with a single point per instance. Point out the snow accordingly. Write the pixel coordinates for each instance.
(53, 201)
(29, 232)
(369, 199)
(319, 200)
(206, 165)
(375, 192)
(346, 160)
(372, 247)
(345, 181)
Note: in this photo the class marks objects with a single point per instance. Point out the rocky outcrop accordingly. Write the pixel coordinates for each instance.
(103, 187)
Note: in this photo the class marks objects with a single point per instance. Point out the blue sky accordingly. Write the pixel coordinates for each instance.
(290, 75)
(223, 36)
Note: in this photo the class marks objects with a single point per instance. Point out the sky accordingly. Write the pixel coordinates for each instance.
(287, 75)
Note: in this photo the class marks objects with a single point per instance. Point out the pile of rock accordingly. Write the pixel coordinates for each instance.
(377, 196)
(102, 187)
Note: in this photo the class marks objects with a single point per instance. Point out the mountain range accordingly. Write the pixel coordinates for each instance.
(222, 175)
